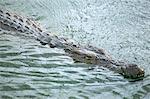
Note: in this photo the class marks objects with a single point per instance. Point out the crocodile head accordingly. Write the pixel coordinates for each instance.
(132, 71)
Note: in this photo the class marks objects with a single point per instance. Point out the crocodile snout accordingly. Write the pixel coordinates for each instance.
(132, 71)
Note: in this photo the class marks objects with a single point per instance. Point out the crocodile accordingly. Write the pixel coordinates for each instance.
(85, 54)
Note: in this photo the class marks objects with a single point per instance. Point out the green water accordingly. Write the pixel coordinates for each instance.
(29, 70)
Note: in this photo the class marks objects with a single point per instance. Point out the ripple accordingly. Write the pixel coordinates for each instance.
(6, 97)
(146, 88)
(4, 55)
(46, 55)
(10, 64)
(19, 87)
(30, 70)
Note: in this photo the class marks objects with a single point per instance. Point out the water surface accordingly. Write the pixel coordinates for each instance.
(29, 70)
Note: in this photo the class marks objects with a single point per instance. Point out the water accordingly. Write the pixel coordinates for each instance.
(29, 70)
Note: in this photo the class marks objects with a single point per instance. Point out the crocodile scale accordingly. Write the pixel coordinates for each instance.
(85, 54)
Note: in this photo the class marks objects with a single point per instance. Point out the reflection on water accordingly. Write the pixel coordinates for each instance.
(30, 70)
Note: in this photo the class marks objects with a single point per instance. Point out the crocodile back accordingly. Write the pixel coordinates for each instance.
(13, 22)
